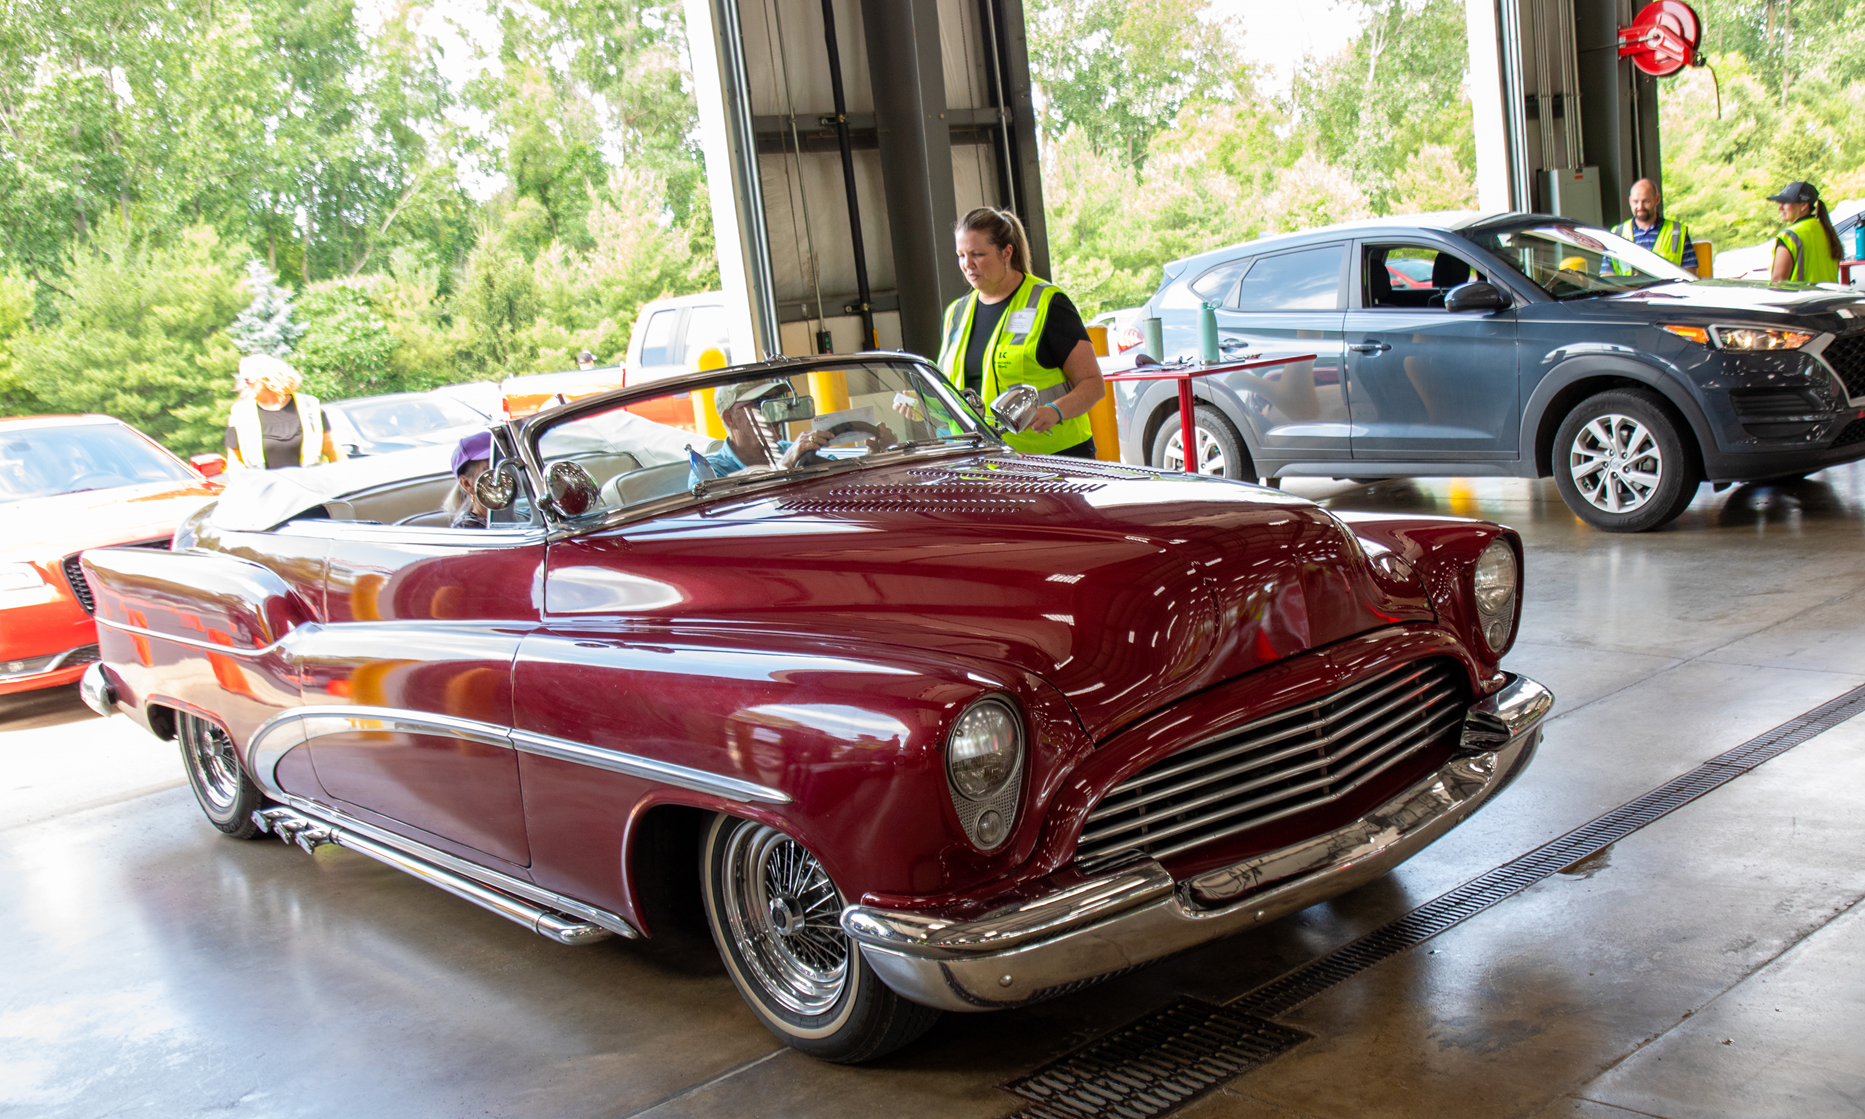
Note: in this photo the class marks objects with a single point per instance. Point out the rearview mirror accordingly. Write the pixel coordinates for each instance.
(786, 409)
(1475, 296)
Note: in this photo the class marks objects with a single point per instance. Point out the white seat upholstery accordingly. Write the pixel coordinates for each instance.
(646, 484)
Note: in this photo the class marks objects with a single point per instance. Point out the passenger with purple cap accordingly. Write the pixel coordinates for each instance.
(470, 460)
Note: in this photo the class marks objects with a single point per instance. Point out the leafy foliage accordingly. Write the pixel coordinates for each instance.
(266, 326)
(140, 333)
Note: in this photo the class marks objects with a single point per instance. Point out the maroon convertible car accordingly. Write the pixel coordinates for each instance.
(919, 722)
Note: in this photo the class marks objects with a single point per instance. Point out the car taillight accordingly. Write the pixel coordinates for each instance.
(1128, 339)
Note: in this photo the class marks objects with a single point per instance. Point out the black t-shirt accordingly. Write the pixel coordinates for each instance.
(1062, 329)
(281, 433)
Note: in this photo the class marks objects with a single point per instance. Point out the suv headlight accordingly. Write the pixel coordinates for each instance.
(1496, 582)
(1755, 338)
(984, 764)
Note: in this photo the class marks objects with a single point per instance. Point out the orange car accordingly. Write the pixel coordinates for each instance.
(68, 483)
(527, 394)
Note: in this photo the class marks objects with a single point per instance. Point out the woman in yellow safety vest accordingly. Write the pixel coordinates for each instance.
(276, 425)
(1017, 329)
(1807, 251)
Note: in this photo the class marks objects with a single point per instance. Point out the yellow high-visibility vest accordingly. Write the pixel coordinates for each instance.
(1813, 256)
(1672, 237)
(250, 436)
(1010, 358)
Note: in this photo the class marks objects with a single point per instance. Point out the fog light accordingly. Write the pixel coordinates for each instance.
(990, 829)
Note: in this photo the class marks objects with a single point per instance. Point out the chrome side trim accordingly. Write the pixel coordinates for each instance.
(1514, 708)
(209, 646)
(296, 726)
(334, 719)
(95, 688)
(1135, 913)
(500, 893)
(698, 780)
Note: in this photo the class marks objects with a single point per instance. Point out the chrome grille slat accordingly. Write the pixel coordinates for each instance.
(1165, 771)
(1273, 766)
(1327, 778)
(1336, 794)
(1443, 691)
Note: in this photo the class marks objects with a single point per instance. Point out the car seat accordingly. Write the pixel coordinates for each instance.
(1446, 273)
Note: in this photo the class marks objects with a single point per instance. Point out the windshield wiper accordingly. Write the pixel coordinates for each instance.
(975, 438)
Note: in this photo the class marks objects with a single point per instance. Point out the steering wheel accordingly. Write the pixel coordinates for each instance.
(852, 427)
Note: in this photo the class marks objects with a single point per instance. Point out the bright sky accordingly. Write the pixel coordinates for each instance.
(1279, 33)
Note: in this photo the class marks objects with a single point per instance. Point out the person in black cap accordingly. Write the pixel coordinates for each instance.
(470, 460)
(1807, 251)
(585, 360)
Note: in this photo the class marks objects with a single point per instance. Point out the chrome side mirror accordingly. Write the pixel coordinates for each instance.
(572, 489)
(1014, 406)
(496, 487)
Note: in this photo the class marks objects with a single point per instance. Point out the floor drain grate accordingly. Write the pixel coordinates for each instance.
(1428, 920)
(1155, 1064)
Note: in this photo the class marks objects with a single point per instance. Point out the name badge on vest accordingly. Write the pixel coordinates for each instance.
(1022, 321)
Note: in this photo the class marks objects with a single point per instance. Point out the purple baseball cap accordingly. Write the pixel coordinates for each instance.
(473, 448)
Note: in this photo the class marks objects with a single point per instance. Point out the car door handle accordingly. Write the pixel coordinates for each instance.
(1232, 344)
(1370, 347)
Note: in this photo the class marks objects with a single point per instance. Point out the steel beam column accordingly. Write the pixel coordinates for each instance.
(908, 79)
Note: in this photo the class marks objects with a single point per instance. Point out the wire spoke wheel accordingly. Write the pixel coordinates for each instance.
(1616, 463)
(785, 918)
(226, 795)
(209, 753)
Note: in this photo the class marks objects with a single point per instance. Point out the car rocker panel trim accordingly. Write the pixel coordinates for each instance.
(1136, 913)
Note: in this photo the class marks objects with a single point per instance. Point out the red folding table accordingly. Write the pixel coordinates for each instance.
(1183, 372)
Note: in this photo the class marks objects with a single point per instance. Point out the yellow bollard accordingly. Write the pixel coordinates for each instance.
(1706, 260)
(703, 411)
(1101, 419)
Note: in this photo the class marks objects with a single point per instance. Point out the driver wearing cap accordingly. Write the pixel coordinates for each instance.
(470, 459)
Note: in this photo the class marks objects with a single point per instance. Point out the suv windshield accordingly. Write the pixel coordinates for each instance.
(47, 461)
(752, 427)
(1568, 261)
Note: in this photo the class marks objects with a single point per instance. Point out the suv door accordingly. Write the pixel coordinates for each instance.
(1427, 385)
(1290, 301)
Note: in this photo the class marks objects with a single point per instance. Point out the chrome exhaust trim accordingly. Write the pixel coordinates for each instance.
(309, 833)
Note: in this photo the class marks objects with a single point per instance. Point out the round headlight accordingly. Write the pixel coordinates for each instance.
(1495, 582)
(984, 750)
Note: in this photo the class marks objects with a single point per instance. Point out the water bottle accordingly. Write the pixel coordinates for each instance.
(1207, 332)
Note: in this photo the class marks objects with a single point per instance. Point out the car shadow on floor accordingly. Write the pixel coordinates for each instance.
(46, 707)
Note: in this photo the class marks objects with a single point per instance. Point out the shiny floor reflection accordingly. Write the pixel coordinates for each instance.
(156, 968)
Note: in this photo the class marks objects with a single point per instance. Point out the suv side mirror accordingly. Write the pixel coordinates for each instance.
(1476, 296)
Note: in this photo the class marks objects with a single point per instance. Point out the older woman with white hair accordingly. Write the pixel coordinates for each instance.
(276, 426)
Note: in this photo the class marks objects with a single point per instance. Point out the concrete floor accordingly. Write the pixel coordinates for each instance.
(1707, 965)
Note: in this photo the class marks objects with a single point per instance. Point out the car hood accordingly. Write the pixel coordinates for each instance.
(1749, 296)
(47, 528)
(1124, 588)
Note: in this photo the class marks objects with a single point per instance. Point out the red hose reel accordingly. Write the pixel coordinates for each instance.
(1663, 38)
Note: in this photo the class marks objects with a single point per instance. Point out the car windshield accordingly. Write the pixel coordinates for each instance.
(748, 428)
(47, 461)
(395, 419)
(1572, 261)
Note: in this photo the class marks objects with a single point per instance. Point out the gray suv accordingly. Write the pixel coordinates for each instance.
(1513, 345)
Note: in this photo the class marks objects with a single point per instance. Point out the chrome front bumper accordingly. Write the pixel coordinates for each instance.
(1137, 913)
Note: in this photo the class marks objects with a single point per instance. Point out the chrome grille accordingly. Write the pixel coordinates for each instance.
(74, 574)
(1278, 765)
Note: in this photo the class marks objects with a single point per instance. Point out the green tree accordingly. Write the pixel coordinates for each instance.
(1121, 71)
(139, 332)
(346, 349)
